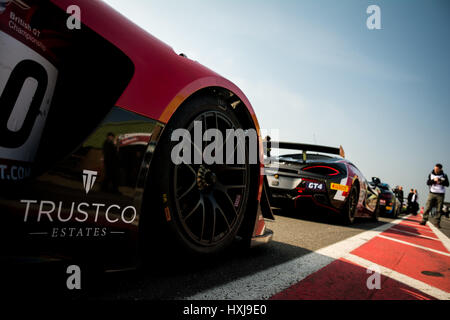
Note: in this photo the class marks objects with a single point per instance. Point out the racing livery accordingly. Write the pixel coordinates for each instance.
(322, 179)
(88, 103)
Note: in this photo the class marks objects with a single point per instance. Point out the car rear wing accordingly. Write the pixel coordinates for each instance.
(268, 145)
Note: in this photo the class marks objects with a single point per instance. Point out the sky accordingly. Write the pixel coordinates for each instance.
(314, 71)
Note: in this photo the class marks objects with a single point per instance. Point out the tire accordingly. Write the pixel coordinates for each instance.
(202, 206)
(349, 210)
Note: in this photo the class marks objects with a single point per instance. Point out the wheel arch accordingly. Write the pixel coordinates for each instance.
(357, 184)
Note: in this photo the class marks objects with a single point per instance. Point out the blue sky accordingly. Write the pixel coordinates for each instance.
(313, 70)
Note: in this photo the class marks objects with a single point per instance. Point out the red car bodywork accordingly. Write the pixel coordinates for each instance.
(162, 79)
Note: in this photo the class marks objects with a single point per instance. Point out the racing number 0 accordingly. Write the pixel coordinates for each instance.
(9, 97)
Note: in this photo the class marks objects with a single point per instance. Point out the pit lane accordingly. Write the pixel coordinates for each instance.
(238, 273)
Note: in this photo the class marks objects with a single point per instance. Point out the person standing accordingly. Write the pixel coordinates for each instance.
(410, 196)
(400, 196)
(415, 202)
(437, 181)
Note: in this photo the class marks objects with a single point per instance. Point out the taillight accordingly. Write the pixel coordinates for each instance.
(322, 170)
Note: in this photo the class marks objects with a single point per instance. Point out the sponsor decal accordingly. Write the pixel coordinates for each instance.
(97, 215)
(167, 213)
(339, 187)
(22, 29)
(27, 83)
(14, 172)
(237, 201)
(89, 178)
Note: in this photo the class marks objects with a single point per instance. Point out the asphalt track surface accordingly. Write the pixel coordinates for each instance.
(312, 256)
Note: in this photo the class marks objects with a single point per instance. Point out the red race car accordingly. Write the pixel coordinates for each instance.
(90, 111)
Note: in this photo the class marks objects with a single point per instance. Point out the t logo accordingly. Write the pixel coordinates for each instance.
(89, 178)
(374, 20)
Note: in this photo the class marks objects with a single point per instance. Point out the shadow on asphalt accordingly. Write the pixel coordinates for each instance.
(165, 277)
(324, 216)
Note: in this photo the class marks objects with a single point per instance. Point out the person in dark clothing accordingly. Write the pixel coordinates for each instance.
(400, 195)
(437, 181)
(415, 202)
(410, 196)
(111, 164)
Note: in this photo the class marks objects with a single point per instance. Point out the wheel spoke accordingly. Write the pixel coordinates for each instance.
(194, 182)
(224, 217)
(194, 209)
(221, 188)
(191, 168)
(217, 207)
(188, 190)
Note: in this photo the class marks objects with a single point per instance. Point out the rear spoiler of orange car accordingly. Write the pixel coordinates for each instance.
(303, 147)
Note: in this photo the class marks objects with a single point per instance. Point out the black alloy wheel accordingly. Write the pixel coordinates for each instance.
(203, 204)
(209, 198)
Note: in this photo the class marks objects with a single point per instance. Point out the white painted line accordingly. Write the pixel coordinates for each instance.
(445, 240)
(415, 245)
(414, 234)
(266, 283)
(416, 284)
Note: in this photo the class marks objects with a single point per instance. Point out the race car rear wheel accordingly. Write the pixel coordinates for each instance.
(350, 206)
(203, 205)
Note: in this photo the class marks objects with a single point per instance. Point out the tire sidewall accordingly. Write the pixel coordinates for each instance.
(349, 217)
